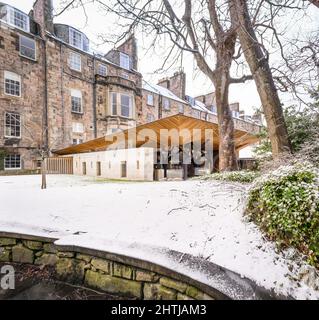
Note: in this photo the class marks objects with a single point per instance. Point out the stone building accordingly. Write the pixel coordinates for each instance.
(55, 91)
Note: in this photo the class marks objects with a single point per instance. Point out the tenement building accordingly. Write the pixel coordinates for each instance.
(56, 92)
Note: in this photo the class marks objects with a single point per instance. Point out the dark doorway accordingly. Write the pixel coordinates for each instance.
(98, 168)
(123, 169)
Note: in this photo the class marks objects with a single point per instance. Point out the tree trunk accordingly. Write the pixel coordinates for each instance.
(227, 152)
(262, 75)
(43, 175)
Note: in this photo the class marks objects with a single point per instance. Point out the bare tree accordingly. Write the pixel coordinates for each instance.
(261, 72)
(213, 26)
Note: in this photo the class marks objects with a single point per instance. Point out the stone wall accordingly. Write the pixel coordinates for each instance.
(112, 274)
(30, 106)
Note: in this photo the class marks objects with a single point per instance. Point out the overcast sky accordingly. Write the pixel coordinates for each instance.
(197, 84)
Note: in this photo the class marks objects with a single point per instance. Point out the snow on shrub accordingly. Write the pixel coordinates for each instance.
(285, 204)
(244, 176)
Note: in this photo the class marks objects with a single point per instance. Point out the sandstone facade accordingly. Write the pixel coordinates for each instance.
(70, 95)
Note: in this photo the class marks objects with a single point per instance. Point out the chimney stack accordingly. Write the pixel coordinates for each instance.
(43, 15)
(176, 84)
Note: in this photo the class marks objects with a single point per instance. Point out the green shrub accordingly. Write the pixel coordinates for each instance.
(285, 204)
(244, 176)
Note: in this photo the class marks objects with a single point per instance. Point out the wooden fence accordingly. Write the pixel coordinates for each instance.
(59, 165)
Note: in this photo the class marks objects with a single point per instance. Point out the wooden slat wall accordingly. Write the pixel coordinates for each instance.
(59, 165)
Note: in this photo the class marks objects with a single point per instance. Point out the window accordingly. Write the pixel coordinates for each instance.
(77, 127)
(12, 125)
(75, 61)
(150, 100)
(84, 168)
(76, 101)
(138, 165)
(12, 161)
(114, 104)
(181, 108)
(77, 141)
(102, 70)
(27, 48)
(75, 38)
(126, 104)
(166, 103)
(16, 18)
(12, 83)
(150, 117)
(124, 61)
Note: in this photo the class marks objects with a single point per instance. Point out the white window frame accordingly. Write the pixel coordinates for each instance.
(8, 75)
(118, 100)
(181, 108)
(150, 96)
(10, 168)
(75, 65)
(78, 95)
(73, 31)
(10, 19)
(5, 124)
(125, 61)
(35, 48)
(103, 67)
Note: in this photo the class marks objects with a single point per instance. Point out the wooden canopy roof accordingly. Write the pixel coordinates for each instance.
(148, 135)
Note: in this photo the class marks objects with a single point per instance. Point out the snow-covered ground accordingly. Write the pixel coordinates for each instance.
(203, 218)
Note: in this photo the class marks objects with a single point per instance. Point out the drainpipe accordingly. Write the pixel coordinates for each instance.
(94, 100)
(62, 96)
(46, 119)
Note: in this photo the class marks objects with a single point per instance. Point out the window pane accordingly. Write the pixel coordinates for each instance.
(76, 39)
(125, 105)
(12, 125)
(76, 101)
(124, 61)
(102, 70)
(27, 47)
(12, 161)
(75, 61)
(19, 19)
(114, 104)
(150, 100)
(12, 83)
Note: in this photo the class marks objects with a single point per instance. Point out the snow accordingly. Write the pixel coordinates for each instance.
(161, 91)
(202, 218)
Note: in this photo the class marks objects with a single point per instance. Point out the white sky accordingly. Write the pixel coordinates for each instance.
(246, 94)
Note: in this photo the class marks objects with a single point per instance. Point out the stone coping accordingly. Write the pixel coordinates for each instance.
(230, 285)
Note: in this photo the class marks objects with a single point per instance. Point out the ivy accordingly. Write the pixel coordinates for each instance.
(285, 204)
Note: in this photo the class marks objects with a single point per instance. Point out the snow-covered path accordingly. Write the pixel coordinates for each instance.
(203, 218)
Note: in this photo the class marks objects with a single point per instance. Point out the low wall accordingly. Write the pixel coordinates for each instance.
(164, 275)
(123, 278)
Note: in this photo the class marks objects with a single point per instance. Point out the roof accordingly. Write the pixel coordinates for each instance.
(162, 91)
(143, 138)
